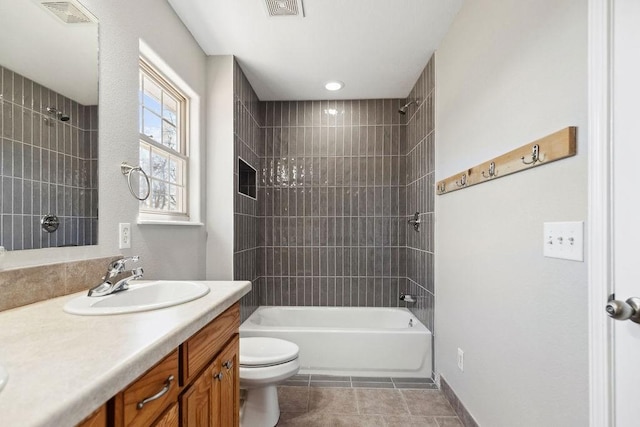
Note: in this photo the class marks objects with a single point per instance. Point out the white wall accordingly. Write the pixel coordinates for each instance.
(166, 251)
(507, 73)
(220, 164)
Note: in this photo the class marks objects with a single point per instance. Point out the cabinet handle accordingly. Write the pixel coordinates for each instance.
(158, 395)
(228, 364)
(218, 376)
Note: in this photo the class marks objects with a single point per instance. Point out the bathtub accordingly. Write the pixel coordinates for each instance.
(353, 341)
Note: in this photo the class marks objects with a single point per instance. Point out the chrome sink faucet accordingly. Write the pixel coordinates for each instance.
(116, 267)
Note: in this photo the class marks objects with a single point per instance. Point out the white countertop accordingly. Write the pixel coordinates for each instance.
(62, 367)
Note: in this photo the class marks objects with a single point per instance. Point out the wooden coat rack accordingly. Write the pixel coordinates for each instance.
(556, 146)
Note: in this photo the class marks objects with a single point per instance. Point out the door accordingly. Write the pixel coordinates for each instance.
(626, 204)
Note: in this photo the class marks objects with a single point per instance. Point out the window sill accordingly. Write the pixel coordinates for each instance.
(169, 222)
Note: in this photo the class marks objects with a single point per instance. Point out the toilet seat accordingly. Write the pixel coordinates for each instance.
(263, 352)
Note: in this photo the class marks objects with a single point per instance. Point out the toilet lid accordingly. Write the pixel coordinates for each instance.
(261, 351)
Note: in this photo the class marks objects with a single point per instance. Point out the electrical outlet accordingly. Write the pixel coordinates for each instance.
(460, 359)
(124, 235)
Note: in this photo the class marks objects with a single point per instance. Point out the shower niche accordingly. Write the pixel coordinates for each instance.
(246, 179)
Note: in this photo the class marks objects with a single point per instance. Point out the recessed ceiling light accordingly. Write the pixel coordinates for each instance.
(334, 85)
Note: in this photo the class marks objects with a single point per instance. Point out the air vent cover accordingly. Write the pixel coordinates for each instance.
(68, 12)
(284, 8)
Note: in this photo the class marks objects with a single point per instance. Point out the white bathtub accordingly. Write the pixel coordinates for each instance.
(354, 341)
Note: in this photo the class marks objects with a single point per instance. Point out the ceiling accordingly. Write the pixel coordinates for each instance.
(62, 57)
(377, 48)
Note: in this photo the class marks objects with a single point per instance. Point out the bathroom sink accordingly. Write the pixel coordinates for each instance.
(4, 377)
(139, 297)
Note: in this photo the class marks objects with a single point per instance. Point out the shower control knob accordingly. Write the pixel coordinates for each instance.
(624, 310)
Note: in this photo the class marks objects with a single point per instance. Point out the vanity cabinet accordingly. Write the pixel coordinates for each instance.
(214, 397)
(210, 372)
(97, 419)
(144, 401)
(197, 385)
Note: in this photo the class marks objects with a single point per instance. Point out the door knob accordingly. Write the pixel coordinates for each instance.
(624, 310)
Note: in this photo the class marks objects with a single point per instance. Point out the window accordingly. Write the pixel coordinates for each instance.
(163, 145)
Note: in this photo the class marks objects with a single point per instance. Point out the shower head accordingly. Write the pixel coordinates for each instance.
(58, 114)
(405, 107)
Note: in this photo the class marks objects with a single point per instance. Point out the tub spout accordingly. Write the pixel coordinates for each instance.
(407, 297)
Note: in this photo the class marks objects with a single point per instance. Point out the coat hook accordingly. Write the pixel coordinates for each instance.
(463, 180)
(492, 171)
(535, 156)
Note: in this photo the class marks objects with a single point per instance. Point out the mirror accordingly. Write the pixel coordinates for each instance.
(48, 124)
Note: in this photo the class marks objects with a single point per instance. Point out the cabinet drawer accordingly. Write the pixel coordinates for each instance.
(198, 351)
(145, 399)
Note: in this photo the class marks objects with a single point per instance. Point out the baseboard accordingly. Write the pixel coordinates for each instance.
(464, 415)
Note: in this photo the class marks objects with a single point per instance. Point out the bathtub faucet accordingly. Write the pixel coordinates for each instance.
(407, 297)
(115, 268)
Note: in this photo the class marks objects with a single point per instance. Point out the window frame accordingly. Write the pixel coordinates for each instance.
(147, 69)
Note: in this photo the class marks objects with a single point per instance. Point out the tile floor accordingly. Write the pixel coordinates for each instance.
(352, 403)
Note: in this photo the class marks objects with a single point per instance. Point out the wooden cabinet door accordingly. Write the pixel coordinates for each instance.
(170, 418)
(97, 419)
(230, 384)
(201, 402)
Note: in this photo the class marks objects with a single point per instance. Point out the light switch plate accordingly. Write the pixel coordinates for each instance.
(564, 240)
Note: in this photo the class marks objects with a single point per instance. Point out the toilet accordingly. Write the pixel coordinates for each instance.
(264, 362)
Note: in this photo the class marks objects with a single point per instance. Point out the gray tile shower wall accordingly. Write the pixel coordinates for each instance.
(332, 191)
(420, 171)
(248, 140)
(47, 166)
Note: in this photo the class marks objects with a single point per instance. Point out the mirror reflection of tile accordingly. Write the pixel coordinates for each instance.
(49, 166)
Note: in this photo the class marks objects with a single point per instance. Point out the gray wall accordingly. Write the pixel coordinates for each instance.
(507, 73)
(419, 172)
(331, 187)
(48, 166)
(248, 142)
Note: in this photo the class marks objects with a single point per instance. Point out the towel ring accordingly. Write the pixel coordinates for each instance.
(128, 170)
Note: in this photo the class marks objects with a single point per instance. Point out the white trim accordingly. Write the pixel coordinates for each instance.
(193, 127)
(160, 222)
(599, 232)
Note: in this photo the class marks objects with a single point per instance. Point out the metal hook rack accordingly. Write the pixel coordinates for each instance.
(535, 156)
(556, 146)
(492, 171)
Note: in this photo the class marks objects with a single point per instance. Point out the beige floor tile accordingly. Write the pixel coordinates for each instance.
(293, 399)
(318, 419)
(427, 403)
(381, 401)
(355, 421)
(409, 421)
(333, 401)
(449, 422)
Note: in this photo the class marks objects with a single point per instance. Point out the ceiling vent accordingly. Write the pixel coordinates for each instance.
(67, 11)
(285, 8)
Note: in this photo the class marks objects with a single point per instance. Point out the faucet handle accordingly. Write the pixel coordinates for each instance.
(118, 265)
(137, 273)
